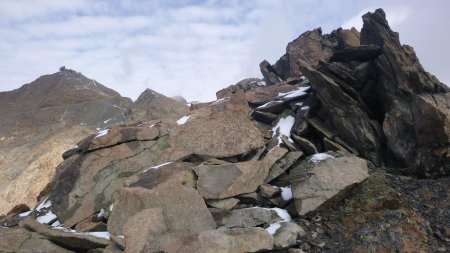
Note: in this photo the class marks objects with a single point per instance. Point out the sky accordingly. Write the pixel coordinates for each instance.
(191, 48)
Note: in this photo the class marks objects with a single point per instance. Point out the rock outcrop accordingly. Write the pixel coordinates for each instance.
(300, 162)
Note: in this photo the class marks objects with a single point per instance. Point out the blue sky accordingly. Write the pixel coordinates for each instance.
(190, 48)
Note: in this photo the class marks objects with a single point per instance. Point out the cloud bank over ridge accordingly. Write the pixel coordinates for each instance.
(189, 48)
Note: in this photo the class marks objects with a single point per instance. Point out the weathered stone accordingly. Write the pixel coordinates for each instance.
(218, 179)
(313, 46)
(20, 240)
(282, 165)
(223, 204)
(235, 240)
(263, 95)
(142, 230)
(183, 208)
(269, 73)
(222, 129)
(120, 134)
(345, 114)
(275, 107)
(360, 53)
(90, 226)
(66, 239)
(330, 145)
(307, 147)
(323, 179)
(286, 235)
(287, 141)
(89, 183)
(245, 84)
(179, 172)
(322, 128)
(404, 93)
(269, 191)
(112, 248)
(21, 208)
(265, 117)
(247, 217)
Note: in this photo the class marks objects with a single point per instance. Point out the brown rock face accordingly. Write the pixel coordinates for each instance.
(221, 129)
(311, 47)
(183, 209)
(414, 104)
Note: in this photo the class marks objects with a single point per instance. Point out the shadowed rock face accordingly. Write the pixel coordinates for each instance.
(415, 104)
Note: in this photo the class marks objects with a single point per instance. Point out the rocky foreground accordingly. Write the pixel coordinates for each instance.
(344, 146)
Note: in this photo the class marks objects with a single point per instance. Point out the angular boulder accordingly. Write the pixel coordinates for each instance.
(323, 179)
(235, 240)
(183, 209)
(269, 73)
(246, 217)
(222, 129)
(66, 239)
(219, 179)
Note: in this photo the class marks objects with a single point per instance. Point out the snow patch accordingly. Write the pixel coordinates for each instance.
(286, 193)
(46, 218)
(219, 101)
(101, 214)
(300, 91)
(158, 166)
(183, 120)
(261, 83)
(111, 207)
(283, 214)
(283, 127)
(119, 107)
(44, 204)
(320, 157)
(102, 133)
(304, 108)
(106, 121)
(272, 229)
(25, 214)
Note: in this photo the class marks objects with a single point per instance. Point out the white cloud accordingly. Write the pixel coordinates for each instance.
(179, 48)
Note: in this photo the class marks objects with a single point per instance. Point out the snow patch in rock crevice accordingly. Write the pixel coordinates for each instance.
(183, 120)
(317, 158)
(283, 127)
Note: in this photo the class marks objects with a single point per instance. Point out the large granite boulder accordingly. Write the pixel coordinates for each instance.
(183, 209)
(324, 178)
(222, 129)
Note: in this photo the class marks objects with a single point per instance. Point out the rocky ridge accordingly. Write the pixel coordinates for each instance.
(327, 156)
(43, 119)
